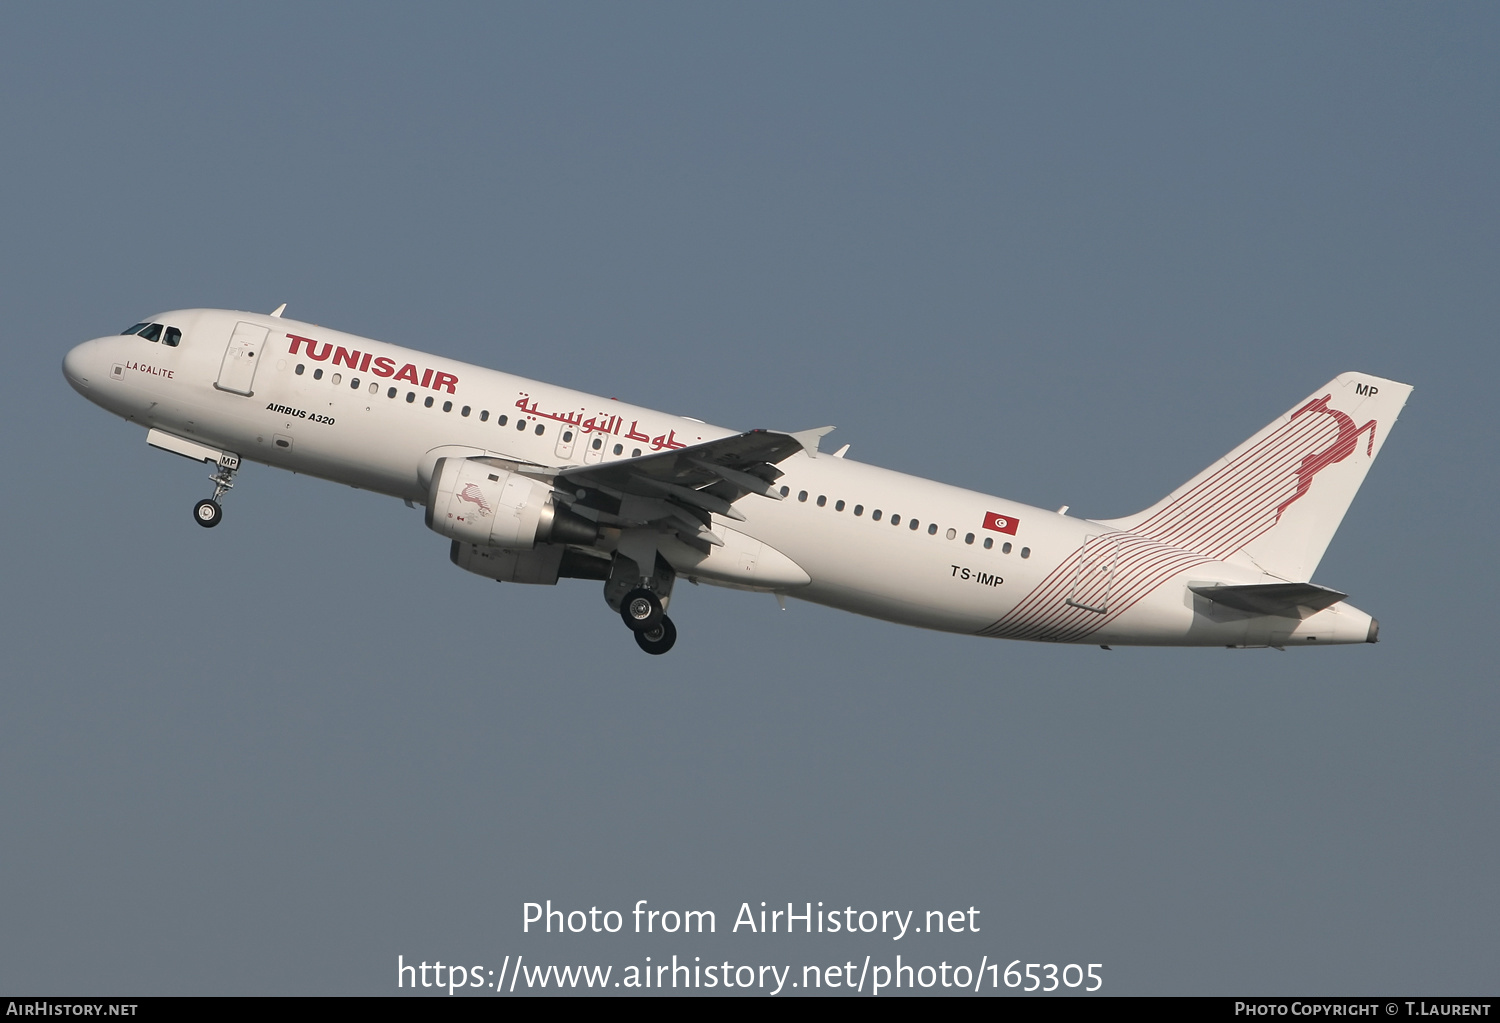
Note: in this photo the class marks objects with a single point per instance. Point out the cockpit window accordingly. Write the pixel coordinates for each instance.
(153, 332)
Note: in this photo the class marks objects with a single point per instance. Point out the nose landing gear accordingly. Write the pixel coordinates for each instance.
(207, 513)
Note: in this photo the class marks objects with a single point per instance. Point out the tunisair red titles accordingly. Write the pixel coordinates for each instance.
(366, 362)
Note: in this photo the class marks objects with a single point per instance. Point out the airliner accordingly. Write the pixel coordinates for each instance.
(533, 483)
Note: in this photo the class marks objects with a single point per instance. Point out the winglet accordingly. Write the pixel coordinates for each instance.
(279, 310)
(809, 439)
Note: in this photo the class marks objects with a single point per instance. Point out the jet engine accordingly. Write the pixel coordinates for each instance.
(479, 503)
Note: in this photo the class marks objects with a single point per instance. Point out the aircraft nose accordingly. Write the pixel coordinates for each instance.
(75, 366)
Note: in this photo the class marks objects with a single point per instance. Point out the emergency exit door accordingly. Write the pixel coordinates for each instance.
(237, 371)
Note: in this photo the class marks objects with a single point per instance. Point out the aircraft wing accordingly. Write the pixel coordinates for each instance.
(679, 488)
(1287, 599)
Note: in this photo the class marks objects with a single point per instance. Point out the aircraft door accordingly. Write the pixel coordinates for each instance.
(1095, 574)
(567, 437)
(237, 371)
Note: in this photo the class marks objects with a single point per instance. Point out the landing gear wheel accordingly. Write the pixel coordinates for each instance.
(658, 640)
(207, 513)
(641, 610)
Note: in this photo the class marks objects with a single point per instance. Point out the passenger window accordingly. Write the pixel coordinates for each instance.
(875, 515)
(374, 387)
(859, 509)
(635, 453)
(541, 428)
(822, 501)
(968, 538)
(619, 448)
(785, 491)
(427, 403)
(411, 396)
(838, 506)
(1025, 552)
(895, 520)
(989, 542)
(391, 393)
(521, 425)
(484, 416)
(464, 411)
(152, 333)
(502, 420)
(173, 338)
(1005, 547)
(598, 443)
(336, 378)
(952, 534)
(567, 436)
(318, 373)
(300, 368)
(802, 495)
(354, 384)
(447, 406)
(932, 530)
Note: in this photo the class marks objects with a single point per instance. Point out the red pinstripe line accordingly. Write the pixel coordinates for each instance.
(1137, 580)
(1235, 493)
(1219, 525)
(1082, 624)
(1228, 488)
(1219, 516)
(1283, 447)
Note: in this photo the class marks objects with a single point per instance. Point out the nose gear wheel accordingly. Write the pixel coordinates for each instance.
(207, 513)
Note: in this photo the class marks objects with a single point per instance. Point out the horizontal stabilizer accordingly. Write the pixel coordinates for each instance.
(1291, 600)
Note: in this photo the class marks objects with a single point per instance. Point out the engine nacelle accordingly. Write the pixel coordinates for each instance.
(543, 565)
(478, 503)
(540, 567)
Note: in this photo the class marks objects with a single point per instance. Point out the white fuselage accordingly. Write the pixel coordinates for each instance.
(880, 543)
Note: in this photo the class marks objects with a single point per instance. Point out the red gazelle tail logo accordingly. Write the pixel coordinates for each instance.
(1342, 447)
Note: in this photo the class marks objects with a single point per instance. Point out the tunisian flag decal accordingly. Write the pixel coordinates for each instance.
(1001, 523)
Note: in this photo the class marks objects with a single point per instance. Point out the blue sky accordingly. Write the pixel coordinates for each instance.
(1065, 253)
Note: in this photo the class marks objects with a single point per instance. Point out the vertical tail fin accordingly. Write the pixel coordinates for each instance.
(1277, 499)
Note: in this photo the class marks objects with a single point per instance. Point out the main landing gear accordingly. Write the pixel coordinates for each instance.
(658, 640)
(207, 512)
(641, 596)
(643, 615)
